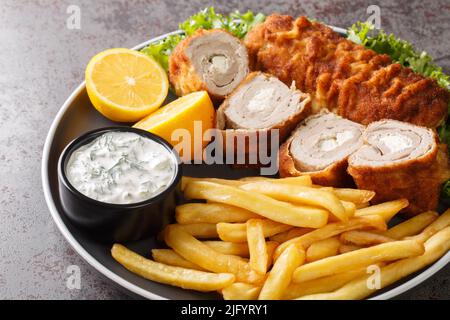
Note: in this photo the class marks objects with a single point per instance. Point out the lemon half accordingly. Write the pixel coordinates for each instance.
(125, 85)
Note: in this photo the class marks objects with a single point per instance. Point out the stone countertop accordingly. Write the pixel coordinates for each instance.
(42, 61)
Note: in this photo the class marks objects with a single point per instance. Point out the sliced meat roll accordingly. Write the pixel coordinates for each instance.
(401, 160)
(320, 147)
(211, 60)
(260, 104)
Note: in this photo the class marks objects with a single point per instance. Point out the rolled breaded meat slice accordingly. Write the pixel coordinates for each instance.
(342, 76)
(320, 147)
(401, 160)
(211, 60)
(259, 105)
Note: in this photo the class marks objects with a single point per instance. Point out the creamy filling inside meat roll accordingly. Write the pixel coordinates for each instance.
(217, 60)
(260, 105)
(262, 102)
(391, 141)
(320, 147)
(401, 160)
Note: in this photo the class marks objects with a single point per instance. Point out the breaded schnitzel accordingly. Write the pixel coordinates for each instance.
(343, 76)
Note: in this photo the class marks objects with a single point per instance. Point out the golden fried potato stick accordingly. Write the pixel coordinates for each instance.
(344, 248)
(325, 284)
(362, 205)
(411, 226)
(237, 232)
(232, 248)
(299, 195)
(303, 180)
(333, 229)
(174, 276)
(185, 180)
(170, 257)
(257, 246)
(363, 238)
(386, 209)
(323, 249)
(357, 196)
(198, 230)
(211, 213)
(197, 252)
(271, 247)
(350, 208)
(440, 223)
(281, 274)
(201, 230)
(435, 248)
(290, 234)
(299, 216)
(363, 257)
(241, 291)
(240, 249)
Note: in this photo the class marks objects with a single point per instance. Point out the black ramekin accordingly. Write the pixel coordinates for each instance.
(108, 222)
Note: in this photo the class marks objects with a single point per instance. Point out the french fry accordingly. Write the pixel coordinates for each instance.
(387, 210)
(357, 196)
(344, 248)
(290, 234)
(185, 180)
(435, 247)
(198, 230)
(237, 232)
(271, 247)
(300, 216)
(333, 229)
(380, 253)
(241, 291)
(323, 249)
(362, 205)
(257, 246)
(304, 180)
(411, 226)
(232, 248)
(363, 238)
(440, 223)
(299, 195)
(170, 257)
(201, 230)
(325, 284)
(197, 252)
(211, 213)
(281, 274)
(175, 276)
(241, 249)
(350, 208)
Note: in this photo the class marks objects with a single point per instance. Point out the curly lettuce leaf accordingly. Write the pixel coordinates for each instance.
(236, 23)
(404, 53)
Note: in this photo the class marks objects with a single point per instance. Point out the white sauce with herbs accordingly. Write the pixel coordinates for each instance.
(120, 168)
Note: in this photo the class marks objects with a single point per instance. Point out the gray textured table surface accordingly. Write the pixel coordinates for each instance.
(41, 62)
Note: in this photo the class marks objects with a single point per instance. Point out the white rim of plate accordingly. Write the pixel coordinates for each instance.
(442, 262)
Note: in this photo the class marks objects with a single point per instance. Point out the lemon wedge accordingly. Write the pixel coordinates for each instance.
(125, 85)
(193, 112)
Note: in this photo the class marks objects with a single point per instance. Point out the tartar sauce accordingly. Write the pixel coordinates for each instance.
(120, 168)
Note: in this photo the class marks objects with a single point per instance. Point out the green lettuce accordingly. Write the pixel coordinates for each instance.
(236, 23)
(404, 53)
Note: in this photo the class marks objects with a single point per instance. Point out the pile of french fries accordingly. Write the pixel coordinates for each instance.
(269, 239)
